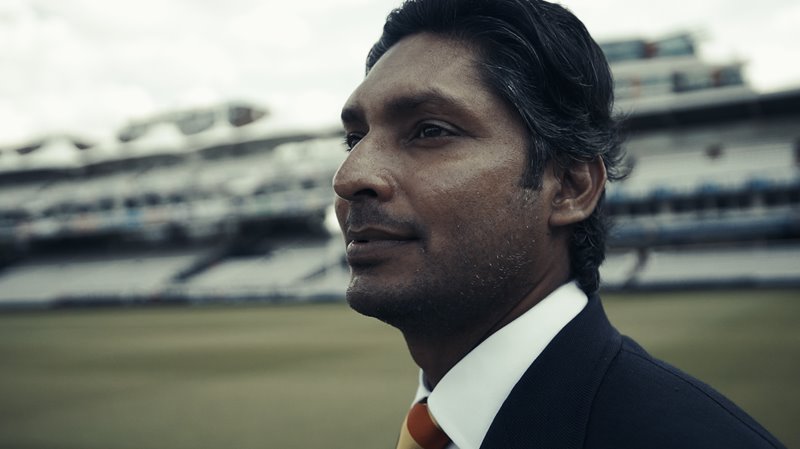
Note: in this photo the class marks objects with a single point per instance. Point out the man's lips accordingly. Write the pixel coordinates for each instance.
(369, 245)
(367, 235)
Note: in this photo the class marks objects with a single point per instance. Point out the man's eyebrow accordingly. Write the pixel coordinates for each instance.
(404, 104)
(431, 97)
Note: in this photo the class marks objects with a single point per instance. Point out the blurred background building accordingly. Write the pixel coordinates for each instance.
(223, 203)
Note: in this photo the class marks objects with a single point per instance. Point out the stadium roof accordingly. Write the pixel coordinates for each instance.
(714, 106)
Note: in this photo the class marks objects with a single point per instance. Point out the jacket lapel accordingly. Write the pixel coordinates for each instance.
(550, 405)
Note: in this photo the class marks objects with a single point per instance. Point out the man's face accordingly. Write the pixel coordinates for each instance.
(440, 234)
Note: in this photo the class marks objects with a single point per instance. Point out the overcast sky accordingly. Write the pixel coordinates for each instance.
(88, 66)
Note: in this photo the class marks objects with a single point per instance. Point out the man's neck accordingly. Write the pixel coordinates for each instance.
(436, 354)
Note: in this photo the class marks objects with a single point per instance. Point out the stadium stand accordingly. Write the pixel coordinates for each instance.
(95, 279)
(283, 266)
(726, 194)
(221, 204)
(730, 267)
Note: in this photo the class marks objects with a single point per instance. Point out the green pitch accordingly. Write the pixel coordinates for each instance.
(320, 376)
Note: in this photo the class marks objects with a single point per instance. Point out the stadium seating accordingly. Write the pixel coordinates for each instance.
(207, 176)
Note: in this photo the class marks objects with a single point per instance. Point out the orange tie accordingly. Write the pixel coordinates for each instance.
(420, 430)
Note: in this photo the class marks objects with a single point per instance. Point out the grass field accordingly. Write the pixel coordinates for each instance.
(320, 376)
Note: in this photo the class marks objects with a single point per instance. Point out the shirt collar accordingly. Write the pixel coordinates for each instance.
(469, 396)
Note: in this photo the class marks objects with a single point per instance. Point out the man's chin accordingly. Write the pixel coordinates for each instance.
(385, 305)
(371, 304)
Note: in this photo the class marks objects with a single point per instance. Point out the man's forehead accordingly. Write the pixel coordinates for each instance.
(420, 70)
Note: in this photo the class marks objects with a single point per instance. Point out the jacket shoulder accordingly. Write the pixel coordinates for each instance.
(644, 402)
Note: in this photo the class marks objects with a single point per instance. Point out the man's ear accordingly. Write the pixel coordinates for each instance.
(581, 186)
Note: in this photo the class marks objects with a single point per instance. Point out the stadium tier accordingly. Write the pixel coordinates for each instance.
(729, 267)
(95, 278)
(313, 271)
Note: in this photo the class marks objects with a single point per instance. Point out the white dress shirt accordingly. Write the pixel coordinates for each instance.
(469, 396)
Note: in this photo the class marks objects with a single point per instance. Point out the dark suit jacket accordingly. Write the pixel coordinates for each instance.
(593, 388)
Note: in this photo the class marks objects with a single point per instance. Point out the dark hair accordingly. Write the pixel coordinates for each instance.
(541, 59)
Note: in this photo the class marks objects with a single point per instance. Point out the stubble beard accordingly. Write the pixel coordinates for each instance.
(452, 295)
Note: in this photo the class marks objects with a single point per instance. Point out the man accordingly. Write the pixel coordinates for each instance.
(480, 142)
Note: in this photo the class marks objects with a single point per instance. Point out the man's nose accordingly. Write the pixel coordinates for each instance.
(365, 173)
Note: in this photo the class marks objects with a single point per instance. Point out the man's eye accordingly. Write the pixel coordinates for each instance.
(351, 140)
(429, 130)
